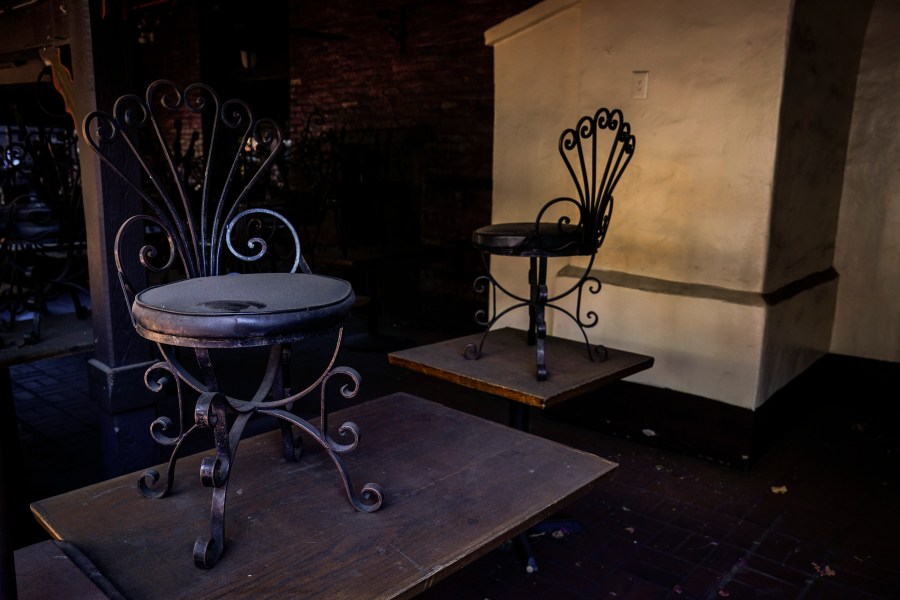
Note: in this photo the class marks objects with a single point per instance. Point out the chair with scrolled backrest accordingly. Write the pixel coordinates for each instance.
(42, 236)
(596, 153)
(198, 222)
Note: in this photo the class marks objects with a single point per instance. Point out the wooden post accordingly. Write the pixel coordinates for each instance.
(103, 70)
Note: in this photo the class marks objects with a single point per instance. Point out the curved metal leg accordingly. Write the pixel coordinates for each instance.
(211, 412)
(371, 496)
(272, 398)
(160, 428)
(534, 303)
(538, 302)
(473, 351)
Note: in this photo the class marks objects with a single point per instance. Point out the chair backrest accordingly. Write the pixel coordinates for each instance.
(197, 198)
(596, 152)
(40, 191)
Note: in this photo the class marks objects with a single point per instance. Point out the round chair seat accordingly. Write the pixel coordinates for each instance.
(521, 239)
(229, 311)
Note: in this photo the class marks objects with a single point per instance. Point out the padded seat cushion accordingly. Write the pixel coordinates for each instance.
(242, 310)
(520, 239)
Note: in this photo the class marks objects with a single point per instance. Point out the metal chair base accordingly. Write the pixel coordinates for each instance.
(212, 411)
(537, 303)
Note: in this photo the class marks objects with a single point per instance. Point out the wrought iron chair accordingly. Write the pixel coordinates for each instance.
(42, 236)
(596, 152)
(209, 309)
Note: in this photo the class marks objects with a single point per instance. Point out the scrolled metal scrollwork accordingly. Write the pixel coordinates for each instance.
(211, 413)
(372, 496)
(147, 484)
(596, 193)
(561, 224)
(348, 391)
(259, 243)
(238, 152)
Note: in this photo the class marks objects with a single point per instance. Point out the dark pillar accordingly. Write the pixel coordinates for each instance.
(103, 70)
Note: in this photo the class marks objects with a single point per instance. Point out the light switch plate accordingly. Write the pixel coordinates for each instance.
(639, 82)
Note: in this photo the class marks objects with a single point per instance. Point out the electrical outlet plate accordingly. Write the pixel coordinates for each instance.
(639, 82)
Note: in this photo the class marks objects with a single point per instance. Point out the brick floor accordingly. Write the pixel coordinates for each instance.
(662, 525)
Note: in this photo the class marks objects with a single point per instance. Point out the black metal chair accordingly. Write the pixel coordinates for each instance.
(596, 152)
(196, 218)
(42, 235)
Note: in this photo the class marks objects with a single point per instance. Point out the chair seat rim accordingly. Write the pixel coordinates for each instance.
(182, 325)
(520, 239)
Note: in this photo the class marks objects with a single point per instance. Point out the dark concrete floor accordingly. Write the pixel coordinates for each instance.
(816, 517)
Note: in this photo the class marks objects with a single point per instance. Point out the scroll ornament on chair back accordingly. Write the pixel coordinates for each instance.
(198, 202)
(580, 148)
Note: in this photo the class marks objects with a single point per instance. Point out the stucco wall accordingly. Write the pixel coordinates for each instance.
(694, 206)
(697, 171)
(867, 256)
(536, 80)
(693, 209)
(820, 76)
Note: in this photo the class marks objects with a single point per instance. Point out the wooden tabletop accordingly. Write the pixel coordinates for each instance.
(506, 367)
(455, 485)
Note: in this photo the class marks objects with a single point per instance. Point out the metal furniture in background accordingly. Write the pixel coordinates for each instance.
(596, 152)
(205, 232)
(42, 234)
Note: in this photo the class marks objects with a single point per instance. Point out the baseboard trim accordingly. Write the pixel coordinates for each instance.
(731, 435)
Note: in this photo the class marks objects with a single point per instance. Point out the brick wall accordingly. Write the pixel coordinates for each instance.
(400, 65)
(168, 47)
(410, 67)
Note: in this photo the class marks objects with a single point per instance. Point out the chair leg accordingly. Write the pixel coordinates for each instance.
(211, 413)
(538, 300)
(273, 398)
(291, 446)
(538, 306)
(532, 304)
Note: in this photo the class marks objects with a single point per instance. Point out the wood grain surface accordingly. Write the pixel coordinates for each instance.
(456, 486)
(506, 367)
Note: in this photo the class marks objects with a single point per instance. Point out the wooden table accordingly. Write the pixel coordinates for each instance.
(506, 367)
(456, 486)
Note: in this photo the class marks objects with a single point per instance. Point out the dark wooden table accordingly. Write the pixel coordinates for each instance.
(506, 367)
(456, 486)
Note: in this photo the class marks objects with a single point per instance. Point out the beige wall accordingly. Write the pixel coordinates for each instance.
(867, 320)
(730, 204)
(698, 170)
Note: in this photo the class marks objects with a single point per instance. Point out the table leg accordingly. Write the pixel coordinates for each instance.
(518, 419)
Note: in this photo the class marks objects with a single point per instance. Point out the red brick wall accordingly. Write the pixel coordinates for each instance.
(169, 49)
(439, 77)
